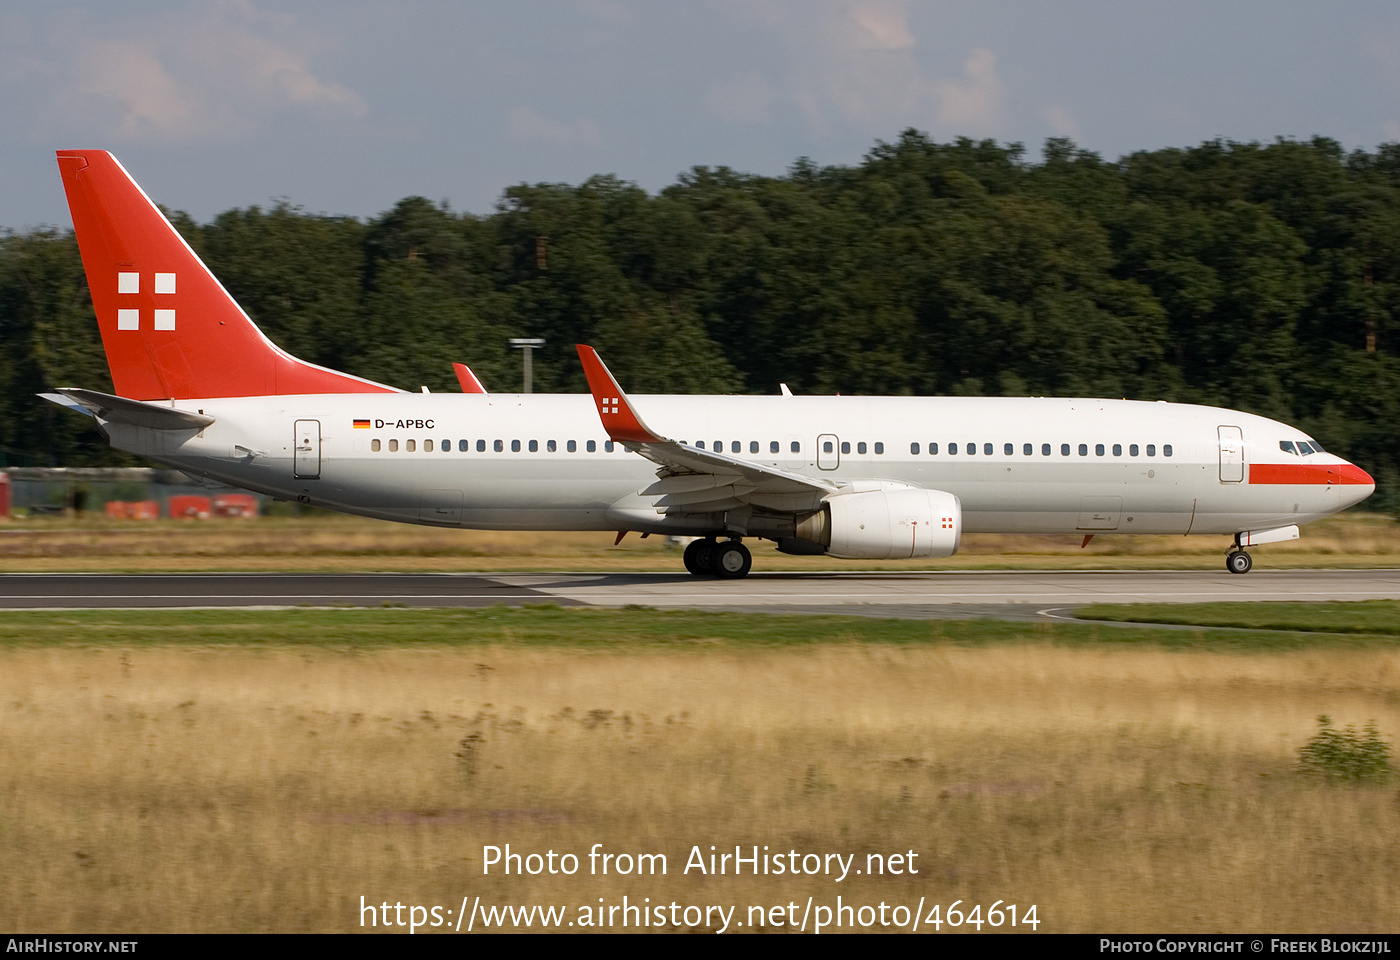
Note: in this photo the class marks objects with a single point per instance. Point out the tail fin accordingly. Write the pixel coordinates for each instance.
(169, 327)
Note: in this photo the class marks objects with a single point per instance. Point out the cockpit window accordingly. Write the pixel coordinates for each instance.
(1304, 447)
(1317, 447)
(1287, 447)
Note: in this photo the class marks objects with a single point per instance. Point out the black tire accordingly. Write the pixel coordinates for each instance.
(1239, 562)
(731, 560)
(698, 557)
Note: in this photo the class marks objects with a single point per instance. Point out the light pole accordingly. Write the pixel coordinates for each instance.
(528, 345)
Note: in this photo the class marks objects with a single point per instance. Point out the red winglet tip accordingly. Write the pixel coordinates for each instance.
(614, 409)
(467, 379)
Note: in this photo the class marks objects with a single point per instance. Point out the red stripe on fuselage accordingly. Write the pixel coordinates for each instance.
(1308, 473)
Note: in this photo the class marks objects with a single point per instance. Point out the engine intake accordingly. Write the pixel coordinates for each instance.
(901, 524)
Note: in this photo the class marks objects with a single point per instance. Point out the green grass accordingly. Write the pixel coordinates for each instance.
(1374, 618)
(642, 628)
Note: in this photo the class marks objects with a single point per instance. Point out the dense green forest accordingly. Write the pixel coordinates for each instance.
(1259, 277)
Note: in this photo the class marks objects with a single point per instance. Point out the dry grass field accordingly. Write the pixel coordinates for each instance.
(150, 787)
(329, 542)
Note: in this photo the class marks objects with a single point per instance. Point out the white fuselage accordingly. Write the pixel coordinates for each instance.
(543, 462)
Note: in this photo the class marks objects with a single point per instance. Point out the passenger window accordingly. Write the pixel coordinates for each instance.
(987, 449)
(551, 446)
(1045, 449)
(913, 448)
(860, 447)
(1152, 450)
(515, 446)
(1064, 449)
(498, 445)
(933, 449)
(593, 446)
(1166, 449)
(1083, 449)
(534, 446)
(1098, 449)
(608, 446)
(427, 446)
(736, 447)
(1287, 447)
(699, 444)
(463, 446)
(880, 447)
(393, 446)
(952, 449)
(481, 446)
(1117, 449)
(845, 446)
(374, 445)
(971, 449)
(1028, 450)
(445, 446)
(796, 447)
(753, 446)
(774, 446)
(409, 445)
(571, 446)
(1132, 449)
(719, 446)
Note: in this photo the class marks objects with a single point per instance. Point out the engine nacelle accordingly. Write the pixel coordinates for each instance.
(895, 524)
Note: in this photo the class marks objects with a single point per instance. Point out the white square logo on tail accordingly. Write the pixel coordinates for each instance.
(165, 283)
(165, 319)
(610, 404)
(128, 319)
(128, 283)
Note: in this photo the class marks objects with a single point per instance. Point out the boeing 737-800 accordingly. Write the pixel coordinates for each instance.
(198, 387)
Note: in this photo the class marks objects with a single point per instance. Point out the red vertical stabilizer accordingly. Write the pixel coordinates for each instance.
(170, 329)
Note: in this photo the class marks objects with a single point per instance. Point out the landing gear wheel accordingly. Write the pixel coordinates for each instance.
(1239, 562)
(699, 557)
(731, 560)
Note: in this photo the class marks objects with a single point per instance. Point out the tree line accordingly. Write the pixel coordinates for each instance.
(1262, 277)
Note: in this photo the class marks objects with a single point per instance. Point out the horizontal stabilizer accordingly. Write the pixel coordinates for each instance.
(138, 413)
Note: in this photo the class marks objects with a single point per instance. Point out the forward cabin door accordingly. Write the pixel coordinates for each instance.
(306, 455)
(1231, 455)
(828, 452)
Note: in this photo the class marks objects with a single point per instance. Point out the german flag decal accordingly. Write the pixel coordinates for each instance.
(361, 424)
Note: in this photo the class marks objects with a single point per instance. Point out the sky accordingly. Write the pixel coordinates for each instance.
(345, 107)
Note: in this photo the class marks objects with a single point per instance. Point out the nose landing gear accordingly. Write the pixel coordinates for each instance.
(728, 560)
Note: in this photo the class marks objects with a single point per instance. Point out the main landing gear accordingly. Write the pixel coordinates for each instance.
(729, 559)
(1237, 561)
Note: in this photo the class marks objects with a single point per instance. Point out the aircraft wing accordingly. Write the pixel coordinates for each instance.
(139, 413)
(690, 480)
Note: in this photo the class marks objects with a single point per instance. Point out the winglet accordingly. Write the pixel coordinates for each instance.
(614, 408)
(468, 380)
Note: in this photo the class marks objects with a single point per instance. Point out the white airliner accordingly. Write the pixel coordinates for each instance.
(198, 387)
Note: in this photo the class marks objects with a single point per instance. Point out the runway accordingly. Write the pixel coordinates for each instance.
(1014, 594)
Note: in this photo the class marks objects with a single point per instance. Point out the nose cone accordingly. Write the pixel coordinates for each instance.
(1357, 483)
(1351, 473)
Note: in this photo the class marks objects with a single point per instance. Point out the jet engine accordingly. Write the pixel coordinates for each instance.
(892, 524)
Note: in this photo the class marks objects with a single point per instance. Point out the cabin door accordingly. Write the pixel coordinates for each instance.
(828, 452)
(1231, 455)
(306, 456)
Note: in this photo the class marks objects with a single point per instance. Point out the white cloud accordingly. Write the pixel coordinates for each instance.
(1062, 122)
(527, 124)
(861, 65)
(885, 24)
(975, 103)
(213, 69)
